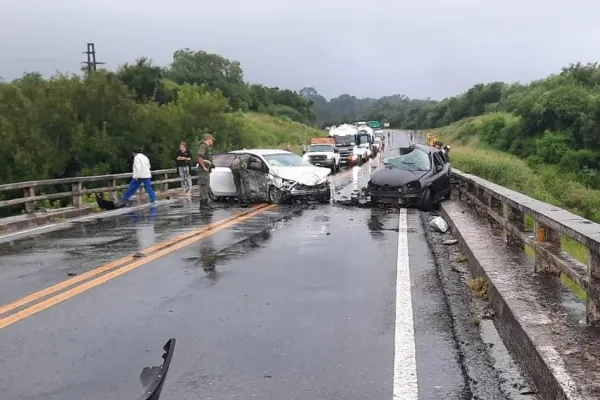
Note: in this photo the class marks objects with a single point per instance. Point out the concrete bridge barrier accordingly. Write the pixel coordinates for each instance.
(529, 252)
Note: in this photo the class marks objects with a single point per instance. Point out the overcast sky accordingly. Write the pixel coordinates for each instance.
(420, 48)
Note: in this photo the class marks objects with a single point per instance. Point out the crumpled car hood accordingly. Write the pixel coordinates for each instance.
(304, 175)
(395, 177)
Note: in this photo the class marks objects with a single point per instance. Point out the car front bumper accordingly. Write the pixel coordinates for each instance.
(349, 160)
(393, 197)
(323, 163)
(302, 190)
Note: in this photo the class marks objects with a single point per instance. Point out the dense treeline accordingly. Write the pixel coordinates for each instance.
(555, 120)
(74, 125)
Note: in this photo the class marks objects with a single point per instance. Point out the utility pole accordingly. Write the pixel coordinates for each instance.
(91, 58)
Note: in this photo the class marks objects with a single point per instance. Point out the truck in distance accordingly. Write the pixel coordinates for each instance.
(322, 153)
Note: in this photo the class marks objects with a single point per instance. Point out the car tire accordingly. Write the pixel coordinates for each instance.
(448, 195)
(212, 196)
(276, 196)
(426, 200)
(326, 198)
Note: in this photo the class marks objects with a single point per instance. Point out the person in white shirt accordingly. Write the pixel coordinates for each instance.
(141, 176)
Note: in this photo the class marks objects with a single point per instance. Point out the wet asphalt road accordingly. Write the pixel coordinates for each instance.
(297, 302)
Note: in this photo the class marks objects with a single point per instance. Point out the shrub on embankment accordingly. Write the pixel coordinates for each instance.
(547, 183)
(72, 125)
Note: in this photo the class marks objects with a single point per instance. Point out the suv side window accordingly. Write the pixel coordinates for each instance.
(437, 160)
(443, 157)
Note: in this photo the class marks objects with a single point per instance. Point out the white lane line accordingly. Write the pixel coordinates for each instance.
(405, 359)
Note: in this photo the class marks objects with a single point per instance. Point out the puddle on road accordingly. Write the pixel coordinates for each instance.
(511, 377)
(248, 237)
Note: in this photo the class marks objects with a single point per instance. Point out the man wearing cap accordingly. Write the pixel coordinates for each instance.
(204, 166)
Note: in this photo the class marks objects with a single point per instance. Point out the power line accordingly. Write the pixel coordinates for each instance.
(91, 58)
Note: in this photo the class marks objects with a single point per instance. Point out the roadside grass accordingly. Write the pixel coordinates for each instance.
(544, 182)
(266, 131)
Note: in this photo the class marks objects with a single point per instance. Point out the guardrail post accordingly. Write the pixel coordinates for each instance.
(593, 302)
(470, 189)
(113, 193)
(543, 234)
(77, 198)
(495, 204)
(512, 215)
(165, 186)
(30, 205)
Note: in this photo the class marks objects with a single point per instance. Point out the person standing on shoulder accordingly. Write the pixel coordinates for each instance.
(182, 160)
(142, 175)
(204, 166)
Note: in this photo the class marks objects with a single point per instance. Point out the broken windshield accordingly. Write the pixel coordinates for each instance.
(416, 160)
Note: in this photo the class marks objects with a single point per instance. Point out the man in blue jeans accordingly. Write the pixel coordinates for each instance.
(141, 175)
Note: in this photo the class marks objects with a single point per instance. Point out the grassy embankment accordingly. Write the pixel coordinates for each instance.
(543, 182)
(265, 131)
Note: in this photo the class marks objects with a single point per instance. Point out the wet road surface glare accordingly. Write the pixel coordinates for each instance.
(339, 301)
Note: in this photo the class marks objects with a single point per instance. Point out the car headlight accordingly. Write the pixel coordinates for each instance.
(411, 187)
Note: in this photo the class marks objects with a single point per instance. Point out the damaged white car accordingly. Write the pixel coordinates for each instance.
(281, 175)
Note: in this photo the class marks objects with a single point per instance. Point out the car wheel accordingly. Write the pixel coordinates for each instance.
(325, 198)
(212, 196)
(448, 195)
(276, 196)
(426, 200)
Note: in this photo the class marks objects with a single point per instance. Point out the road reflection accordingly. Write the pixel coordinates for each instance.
(144, 230)
(208, 256)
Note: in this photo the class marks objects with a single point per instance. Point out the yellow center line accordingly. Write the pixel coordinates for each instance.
(114, 264)
(59, 298)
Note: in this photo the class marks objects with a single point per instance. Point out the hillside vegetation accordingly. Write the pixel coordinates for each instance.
(72, 125)
(541, 138)
(555, 120)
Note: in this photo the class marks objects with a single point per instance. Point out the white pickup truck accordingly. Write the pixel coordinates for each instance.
(323, 153)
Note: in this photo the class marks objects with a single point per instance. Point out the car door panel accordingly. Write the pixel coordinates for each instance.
(445, 174)
(438, 177)
(259, 179)
(221, 182)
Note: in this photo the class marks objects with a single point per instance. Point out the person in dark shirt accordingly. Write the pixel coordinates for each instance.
(182, 160)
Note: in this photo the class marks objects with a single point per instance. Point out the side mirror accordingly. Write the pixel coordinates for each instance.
(439, 168)
(303, 152)
(336, 150)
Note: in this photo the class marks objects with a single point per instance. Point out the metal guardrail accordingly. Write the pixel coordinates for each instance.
(543, 227)
(31, 189)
